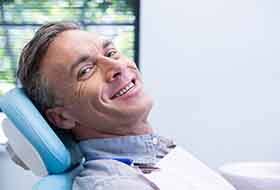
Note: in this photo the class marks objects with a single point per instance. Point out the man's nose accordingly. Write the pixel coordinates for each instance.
(112, 68)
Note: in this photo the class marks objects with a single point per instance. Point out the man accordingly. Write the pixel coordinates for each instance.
(83, 84)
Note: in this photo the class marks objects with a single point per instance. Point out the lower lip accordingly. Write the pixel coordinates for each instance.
(133, 92)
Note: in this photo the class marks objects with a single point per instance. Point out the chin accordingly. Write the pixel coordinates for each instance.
(140, 110)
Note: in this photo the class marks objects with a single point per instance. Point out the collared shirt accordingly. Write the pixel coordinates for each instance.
(102, 172)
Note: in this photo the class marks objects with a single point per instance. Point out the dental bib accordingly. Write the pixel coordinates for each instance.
(179, 170)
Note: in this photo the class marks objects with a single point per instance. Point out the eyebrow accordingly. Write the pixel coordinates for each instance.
(80, 60)
(107, 43)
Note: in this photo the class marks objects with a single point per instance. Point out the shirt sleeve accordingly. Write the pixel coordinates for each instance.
(113, 183)
(110, 175)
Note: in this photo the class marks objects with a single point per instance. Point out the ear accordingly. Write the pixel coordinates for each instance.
(60, 118)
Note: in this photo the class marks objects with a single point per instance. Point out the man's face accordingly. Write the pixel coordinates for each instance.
(97, 85)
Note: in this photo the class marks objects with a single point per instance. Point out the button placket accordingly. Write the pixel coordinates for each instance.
(155, 140)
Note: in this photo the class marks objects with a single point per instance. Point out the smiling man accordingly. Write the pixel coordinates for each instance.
(83, 84)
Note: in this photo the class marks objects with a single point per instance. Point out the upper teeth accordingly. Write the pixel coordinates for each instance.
(125, 89)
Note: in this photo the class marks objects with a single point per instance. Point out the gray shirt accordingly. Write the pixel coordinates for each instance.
(102, 171)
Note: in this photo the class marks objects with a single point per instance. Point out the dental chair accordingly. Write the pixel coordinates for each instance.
(57, 160)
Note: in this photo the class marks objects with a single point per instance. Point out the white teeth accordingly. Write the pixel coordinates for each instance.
(125, 89)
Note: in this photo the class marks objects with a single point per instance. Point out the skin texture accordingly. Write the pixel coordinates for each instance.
(85, 72)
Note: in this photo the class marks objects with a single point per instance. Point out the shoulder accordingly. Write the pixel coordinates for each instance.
(109, 174)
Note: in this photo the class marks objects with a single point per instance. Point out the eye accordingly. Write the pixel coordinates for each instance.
(85, 72)
(111, 53)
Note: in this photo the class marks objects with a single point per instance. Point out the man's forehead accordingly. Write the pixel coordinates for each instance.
(70, 44)
(76, 41)
(80, 36)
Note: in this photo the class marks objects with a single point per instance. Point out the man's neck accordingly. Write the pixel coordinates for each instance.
(84, 133)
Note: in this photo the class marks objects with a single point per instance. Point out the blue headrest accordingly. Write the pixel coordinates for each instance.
(28, 120)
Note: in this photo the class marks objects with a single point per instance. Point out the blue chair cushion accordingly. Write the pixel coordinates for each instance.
(28, 120)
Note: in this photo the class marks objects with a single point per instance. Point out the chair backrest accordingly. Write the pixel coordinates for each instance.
(34, 141)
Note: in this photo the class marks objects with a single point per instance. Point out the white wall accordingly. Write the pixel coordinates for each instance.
(213, 68)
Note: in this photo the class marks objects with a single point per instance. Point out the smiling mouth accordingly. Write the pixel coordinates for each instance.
(124, 90)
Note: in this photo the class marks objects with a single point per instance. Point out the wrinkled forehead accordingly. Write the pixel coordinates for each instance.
(72, 43)
(77, 38)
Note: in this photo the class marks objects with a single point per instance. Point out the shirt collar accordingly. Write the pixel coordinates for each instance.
(144, 149)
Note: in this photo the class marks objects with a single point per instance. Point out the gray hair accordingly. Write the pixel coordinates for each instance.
(33, 82)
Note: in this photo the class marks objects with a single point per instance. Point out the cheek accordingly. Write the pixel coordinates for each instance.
(87, 94)
(80, 91)
(81, 100)
(87, 107)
